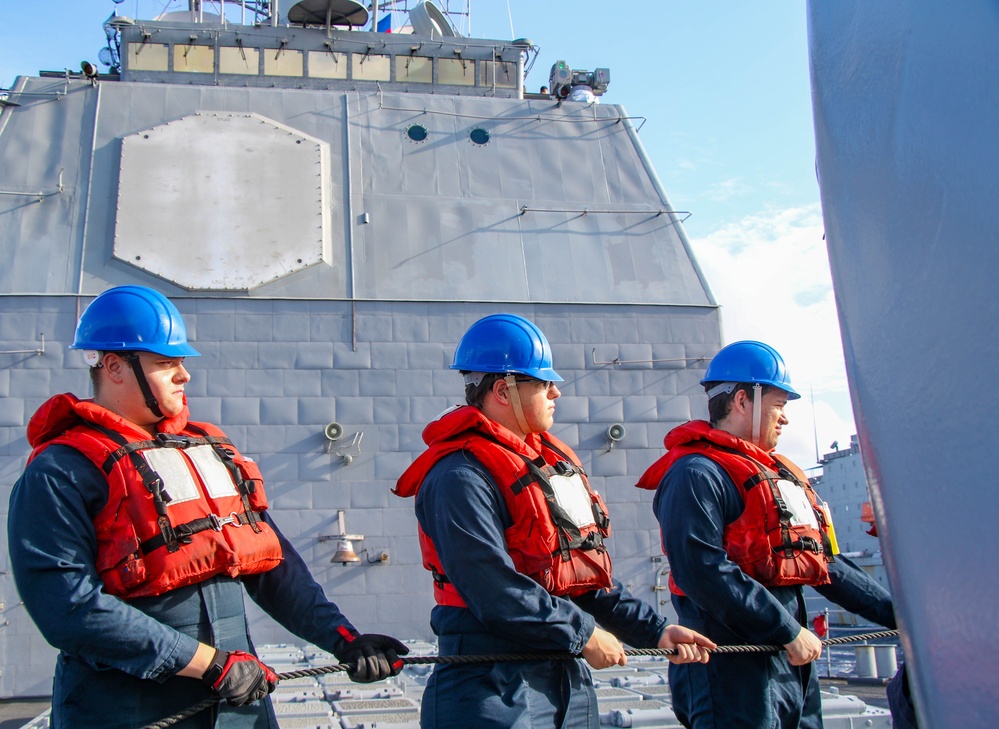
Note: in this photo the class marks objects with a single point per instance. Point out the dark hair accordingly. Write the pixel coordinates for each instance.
(720, 405)
(95, 372)
(95, 378)
(475, 395)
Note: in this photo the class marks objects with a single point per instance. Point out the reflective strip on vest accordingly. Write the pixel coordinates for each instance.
(796, 501)
(214, 473)
(172, 466)
(172, 469)
(574, 498)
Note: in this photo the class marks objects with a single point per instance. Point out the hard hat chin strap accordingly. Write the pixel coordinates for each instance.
(518, 408)
(757, 411)
(133, 359)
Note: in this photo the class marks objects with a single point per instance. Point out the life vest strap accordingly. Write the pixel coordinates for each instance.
(788, 546)
(150, 479)
(186, 530)
(537, 472)
(227, 455)
(162, 440)
(575, 466)
(805, 544)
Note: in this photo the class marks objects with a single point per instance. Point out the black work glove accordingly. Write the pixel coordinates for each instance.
(239, 678)
(372, 657)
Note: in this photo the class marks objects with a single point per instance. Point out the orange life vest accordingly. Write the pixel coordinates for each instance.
(763, 541)
(545, 542)
(182, 506)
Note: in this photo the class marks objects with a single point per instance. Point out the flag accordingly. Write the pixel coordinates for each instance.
(385, 23)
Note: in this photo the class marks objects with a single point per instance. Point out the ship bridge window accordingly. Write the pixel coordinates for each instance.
(148, 57)
(456, 71)
(479, 135)
(240, 60)
(417, 133)
(189, 58)
(414, 69)
(370, 67)
(502, 74)
(325, 64)
(283, 62)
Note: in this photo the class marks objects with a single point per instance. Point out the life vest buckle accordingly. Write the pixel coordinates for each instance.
(219, 522)
(439, 577)
(812, 545)
(563, 468)
(171, 440)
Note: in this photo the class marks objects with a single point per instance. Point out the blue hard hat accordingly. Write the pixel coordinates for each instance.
(133, 319)
(751, 362)
(505, 343)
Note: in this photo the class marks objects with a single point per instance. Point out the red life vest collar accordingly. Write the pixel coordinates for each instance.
(465, 421)
(61, 412)
(692, 437)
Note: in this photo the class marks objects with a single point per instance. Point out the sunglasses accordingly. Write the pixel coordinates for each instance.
(546, 385)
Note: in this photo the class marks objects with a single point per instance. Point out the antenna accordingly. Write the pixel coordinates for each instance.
(328, 13)
(815, 429)
(456, 15)
(427, 19)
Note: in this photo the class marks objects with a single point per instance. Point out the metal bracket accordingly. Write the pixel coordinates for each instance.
(347, 453)
(619, 361)
(40, 350)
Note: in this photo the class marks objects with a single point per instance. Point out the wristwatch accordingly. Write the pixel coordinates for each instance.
(214, 671)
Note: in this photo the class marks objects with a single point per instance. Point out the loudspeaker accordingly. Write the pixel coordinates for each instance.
(333, 431)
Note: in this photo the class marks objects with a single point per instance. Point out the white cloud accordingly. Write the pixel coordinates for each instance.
(726, 190)
(770, 273)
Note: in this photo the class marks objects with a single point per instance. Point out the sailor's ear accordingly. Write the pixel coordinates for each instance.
(741, 400)
(114, 366)
(501, 390)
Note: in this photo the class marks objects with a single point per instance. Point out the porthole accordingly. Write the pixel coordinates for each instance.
(479, 136)
(417, 133)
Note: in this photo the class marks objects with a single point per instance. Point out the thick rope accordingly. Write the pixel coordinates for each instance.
(508, 657)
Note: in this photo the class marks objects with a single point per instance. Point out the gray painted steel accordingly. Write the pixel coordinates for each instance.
(559, 217)
(906, 102)
(188, 212)
(559, 205)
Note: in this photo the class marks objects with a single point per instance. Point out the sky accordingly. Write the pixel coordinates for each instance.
(724, 89)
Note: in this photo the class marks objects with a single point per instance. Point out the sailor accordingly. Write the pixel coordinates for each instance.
(514, 537)
(134, 531)
(745, 532)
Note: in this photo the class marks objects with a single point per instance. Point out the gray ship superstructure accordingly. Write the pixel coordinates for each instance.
(330, 209)
(842, 484)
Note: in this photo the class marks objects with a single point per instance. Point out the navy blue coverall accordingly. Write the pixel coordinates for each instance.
(460, 508)
(694, 502)
(118, 660)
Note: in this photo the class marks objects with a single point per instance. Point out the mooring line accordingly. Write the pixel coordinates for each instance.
(508, 657)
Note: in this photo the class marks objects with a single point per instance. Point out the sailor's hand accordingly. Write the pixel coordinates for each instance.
(803, 649)
(239, 678)
(372, 657)
(690, 646)
(603, 650)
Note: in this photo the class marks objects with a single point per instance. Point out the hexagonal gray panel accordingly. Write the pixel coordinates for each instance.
(223, 201)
